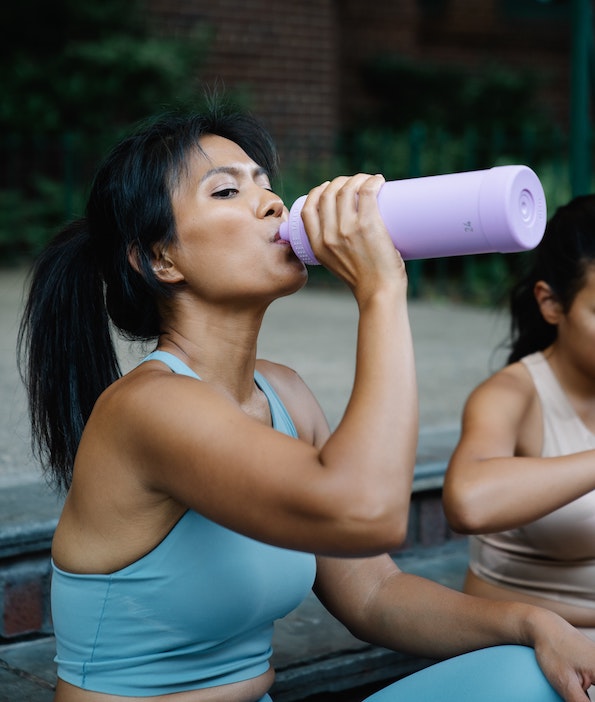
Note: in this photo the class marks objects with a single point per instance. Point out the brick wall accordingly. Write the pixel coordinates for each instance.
(282, 55)
(366, 30)
(25, 596)
(522, 35)
(298, 62)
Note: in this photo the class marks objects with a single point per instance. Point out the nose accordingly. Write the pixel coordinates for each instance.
(271, 205)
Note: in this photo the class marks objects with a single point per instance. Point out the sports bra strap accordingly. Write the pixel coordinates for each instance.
(173, 362)
(282, 420)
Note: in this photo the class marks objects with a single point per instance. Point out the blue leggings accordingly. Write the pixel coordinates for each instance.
(492, 674)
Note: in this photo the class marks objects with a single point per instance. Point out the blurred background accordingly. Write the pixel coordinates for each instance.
(402, 87)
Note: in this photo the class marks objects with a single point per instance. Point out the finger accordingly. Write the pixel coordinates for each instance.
(333, 210)
(339, 207)
(319, 211)
(334, 196)
(368, 193)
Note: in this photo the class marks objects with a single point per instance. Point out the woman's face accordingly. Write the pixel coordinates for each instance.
(227, 226)
(576, 328)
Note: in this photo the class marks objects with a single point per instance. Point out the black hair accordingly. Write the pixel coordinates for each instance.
(561, 259)
(83, 281)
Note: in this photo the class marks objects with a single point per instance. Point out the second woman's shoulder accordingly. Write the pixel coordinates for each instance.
(514, 378)
(510, 389)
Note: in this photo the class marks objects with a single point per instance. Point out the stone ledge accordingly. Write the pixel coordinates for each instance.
(29, 516)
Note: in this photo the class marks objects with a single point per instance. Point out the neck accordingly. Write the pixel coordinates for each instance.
(577, 383)
(220, 346)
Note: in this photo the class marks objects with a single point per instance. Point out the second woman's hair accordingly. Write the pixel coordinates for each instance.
(561, 260)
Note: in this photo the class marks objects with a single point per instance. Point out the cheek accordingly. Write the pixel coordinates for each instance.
(586, 324)
(203, 243)
(581, 335)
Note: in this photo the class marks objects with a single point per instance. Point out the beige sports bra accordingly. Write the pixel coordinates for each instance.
(553, 557)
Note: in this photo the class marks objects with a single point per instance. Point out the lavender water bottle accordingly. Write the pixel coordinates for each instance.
(500, 209)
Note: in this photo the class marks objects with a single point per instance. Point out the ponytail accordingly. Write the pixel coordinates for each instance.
(529, 331)
(98, 272)
(561, 260)
(65, 351)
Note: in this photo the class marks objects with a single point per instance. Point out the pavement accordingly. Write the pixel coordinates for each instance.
(456, 347)
(313, 331)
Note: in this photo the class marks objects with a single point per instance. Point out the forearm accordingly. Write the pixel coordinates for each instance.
(423, 617)
(396, 610)
(494, 494)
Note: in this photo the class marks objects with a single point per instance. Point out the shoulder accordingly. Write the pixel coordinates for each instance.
(298, 399)
(144, 386)
(502, 416)
(150, 404)
(508, 393)
(152, 418)
(513, 380)
(277, 373)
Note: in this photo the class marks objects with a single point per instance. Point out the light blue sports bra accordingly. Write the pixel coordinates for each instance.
(195, 612)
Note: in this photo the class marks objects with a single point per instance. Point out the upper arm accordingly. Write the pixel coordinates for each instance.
(187, 440)
(494, 426)
(494, 415)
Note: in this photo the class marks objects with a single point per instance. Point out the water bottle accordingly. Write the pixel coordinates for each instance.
(500, 209)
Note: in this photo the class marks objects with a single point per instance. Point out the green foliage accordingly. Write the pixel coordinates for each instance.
(90, 66)
(88, 70)
(404, 91)
(423, 149)
(26, 218)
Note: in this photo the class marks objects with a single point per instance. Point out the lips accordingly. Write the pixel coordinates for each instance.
(278, 240)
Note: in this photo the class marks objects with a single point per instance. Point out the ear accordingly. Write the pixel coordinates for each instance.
(548, 303)
(164, 268)
(162, 265)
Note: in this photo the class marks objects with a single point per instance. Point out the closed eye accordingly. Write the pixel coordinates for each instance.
(225, 193)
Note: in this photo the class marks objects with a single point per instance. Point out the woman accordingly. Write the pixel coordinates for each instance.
(521, 478)
(206, 495)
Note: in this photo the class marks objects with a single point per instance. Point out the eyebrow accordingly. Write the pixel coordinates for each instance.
(234, 171)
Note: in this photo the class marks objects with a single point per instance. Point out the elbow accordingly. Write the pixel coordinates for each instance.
(374, 538)
(375, 525)
(462, 513)
(389, 533)
(460, 522)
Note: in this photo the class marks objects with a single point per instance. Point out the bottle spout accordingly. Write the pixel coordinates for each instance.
(284, 231)
(294, 232)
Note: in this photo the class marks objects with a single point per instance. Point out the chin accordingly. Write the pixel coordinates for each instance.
(297, 282)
